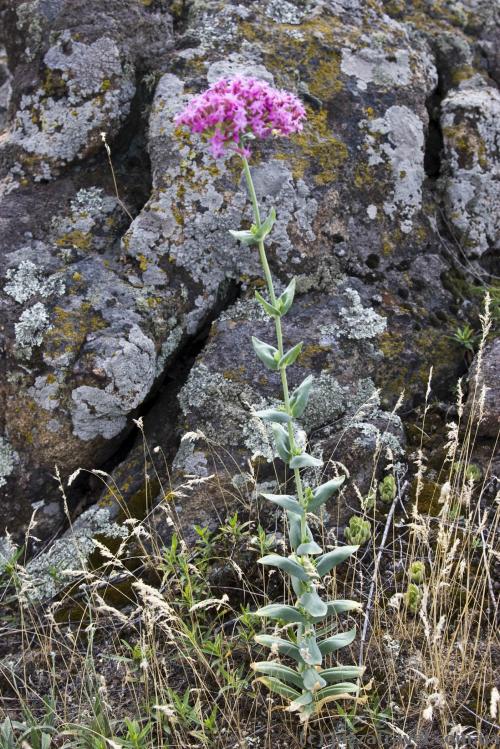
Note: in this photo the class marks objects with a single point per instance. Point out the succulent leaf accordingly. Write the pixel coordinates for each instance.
(313, 603)
(337, 641)
(305, 461)
(277, 686)
(278, 671)
(286, 502)
(322, 493)
(290, 356)
(285, 301)
(328, 561)
(282, 646)
(341, 673)
(269, 308)
(288, 565)
(273, 414)
(282, 441)
(282, 611)
(266, 353)
(300, 397)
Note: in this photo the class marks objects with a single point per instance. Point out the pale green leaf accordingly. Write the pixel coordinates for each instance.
(341, 673)
(310, 651)
(286, 502)
(328, 561)
(266, 353)
(285, 301)
(277, 686)
(290, 566)
(278, 671)
(273, 414)
(282, 441)
(313, 603)
(290, 356)
(336, 642)
(313, 680)
(281, 611)
(300, 396)
(305, 461)
(342, 606)
(344, 687)
(245, 236)
(310, 547)
(322, 493)
(269, 308)
(283, 646)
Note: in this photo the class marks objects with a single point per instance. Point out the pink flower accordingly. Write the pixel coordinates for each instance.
(233, 109)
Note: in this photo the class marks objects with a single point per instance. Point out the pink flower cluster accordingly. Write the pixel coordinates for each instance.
(235, 108)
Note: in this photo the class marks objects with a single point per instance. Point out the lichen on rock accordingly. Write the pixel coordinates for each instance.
(403, 151)
(7, 460)
(87, 89)
(50, 571)
(32, 325)
(130, 365)
(28, 280)
(471, 174)
(358, 322)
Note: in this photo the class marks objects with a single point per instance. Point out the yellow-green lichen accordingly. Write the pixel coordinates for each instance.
(468, 145)
(319, 149)
(70, 328)
(79, 239)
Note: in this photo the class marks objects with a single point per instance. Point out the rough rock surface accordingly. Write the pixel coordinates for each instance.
(96, 308)
(484, 390)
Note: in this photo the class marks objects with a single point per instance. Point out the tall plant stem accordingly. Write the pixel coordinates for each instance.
(279, 331)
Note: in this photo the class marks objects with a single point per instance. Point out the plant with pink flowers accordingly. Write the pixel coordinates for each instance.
(238, 109)
(229, 115)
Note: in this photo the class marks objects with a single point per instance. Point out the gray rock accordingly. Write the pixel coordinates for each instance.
(483, 402)
(471, 131)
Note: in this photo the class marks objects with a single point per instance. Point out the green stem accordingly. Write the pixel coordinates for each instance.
(279, 331)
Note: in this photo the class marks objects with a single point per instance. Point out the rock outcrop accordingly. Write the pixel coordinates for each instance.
(100, 295)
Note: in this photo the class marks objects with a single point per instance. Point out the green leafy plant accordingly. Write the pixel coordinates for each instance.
(220, 114)
(308, 686)
(358, 531)
(387, 488)
(465, 337)
(7, 736)
(470, 472)
(413, 598)
(416, 572)
(137, 736)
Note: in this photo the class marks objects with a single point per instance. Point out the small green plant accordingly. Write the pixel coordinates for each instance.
(190, 717)
(387, 488)
(136, 736)
(368, 503)
(232, 528)
(372, 714)
(358, 531)
(416, 572)
(470, 472)
(413, 598)
(249, 109)
(265, 542)
(7, 736)
(32, 731)
(465, 337)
